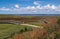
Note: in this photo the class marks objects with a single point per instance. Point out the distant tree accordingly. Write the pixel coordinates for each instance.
(25, 29)
(12, 34)
(22, 30)
(58, 21)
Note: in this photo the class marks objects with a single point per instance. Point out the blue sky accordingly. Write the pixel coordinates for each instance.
(29, 6)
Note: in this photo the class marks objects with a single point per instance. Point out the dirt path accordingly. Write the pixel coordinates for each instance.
(32, 25)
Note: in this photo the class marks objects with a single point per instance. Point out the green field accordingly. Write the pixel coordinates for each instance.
(7, 29)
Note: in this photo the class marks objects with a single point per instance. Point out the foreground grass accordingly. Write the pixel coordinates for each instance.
(7, 29)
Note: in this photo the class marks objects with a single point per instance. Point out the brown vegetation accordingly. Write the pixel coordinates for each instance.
(49, 24)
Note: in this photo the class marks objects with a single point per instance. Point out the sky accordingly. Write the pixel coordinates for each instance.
(29, 6)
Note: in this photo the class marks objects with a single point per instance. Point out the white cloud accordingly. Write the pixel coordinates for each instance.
(39, 7)
(37, 3)
(30, 7)
(17, 6)
(53, 7)
(47, 6)
(4, 9)
(46, 9)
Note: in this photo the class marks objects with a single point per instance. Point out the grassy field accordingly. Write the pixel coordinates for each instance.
(15, 30)
(7, 29)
